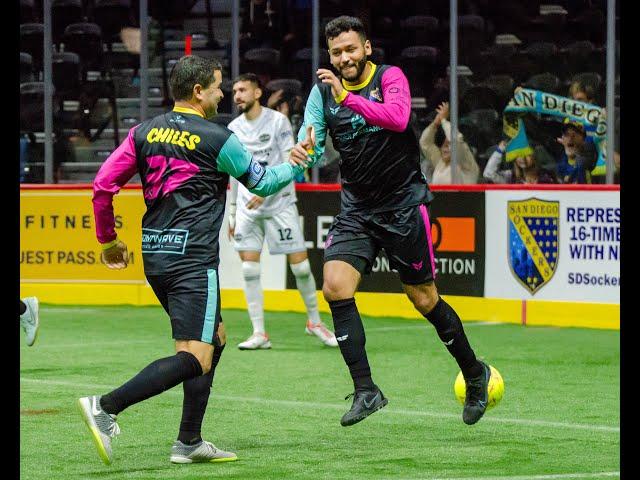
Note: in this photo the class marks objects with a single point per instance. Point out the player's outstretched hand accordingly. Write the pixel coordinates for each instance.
(301, 150)
(116, 257)
(327, 76)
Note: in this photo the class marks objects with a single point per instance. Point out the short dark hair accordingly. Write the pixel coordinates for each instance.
(188, 71)
(248, 77)
(342, 24)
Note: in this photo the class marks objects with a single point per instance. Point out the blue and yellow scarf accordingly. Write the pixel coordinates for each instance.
(533, 101)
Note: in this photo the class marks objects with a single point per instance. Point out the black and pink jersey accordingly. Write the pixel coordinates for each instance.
(379, 152)
(184, 162)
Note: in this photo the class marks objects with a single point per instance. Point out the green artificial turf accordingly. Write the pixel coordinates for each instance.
(280, 409)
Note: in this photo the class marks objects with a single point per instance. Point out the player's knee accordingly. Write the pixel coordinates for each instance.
(302, 269)
(333, 290)
(251, 270)
(424, 301)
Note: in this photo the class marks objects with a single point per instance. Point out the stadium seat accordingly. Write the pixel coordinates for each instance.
(31, 102)
(479, 97)
(301, 67)
(32, 41)
(263, 56)
(26, 68)
(287, 84)
(66, 73)
(378, 55)
(546, 82)
(494, 60)
(590, 24)
(420, 30)
(502, 85)
(547, 26)
(420, 64)
(85, 39)
(27, 11)
(542, 54)
(111, 16)
(471, 38)
(63, 13)
(576, 57)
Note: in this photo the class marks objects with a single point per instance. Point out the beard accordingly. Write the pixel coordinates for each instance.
(247, 106)
(360, 66)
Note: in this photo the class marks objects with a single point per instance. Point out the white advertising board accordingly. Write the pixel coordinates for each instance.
(553, 245)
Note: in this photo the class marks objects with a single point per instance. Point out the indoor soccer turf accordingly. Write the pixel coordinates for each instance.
(280, 409)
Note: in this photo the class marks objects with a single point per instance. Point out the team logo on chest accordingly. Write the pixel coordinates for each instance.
(334, 110)
(264, 138)
(533, 241)
(357, 122)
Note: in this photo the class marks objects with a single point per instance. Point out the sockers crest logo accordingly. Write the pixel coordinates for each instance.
(533, 241)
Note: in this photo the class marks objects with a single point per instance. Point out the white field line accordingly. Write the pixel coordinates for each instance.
(315, 405)
(558, 476)
(102, 344)
(422, 325)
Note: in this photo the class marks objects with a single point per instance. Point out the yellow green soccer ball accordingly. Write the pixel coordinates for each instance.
(496, 388)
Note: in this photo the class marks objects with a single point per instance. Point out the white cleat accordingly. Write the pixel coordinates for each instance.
(203, 452)
(255, 342)
(103, 426)
(321, 331)
(30, 320)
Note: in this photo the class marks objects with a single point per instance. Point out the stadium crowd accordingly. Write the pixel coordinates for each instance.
(558, 49)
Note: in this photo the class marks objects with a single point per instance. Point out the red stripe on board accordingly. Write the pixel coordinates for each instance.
(524, 312)
(187, 45)
(335, 187)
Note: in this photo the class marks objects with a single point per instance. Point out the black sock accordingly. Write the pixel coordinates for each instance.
(196, 396)
(23, 307)
(155, 378)
(450, 331)
(351, 339)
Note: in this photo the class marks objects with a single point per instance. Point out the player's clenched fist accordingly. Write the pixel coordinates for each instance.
(116, 256)
(301, 150)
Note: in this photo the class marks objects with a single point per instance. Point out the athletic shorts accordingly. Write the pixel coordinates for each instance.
(282, 230)
(405, 235)
(192, 301)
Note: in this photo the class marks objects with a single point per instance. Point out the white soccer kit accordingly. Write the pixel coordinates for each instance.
(269, 138)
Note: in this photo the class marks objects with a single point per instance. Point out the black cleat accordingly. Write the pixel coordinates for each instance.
(365, 402)
(477, 396)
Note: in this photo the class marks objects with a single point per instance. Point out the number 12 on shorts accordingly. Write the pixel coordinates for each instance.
(285, 234)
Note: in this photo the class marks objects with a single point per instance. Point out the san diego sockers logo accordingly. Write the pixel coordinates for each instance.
(533, 241)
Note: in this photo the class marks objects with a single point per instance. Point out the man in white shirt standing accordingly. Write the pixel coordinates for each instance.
(267, 134)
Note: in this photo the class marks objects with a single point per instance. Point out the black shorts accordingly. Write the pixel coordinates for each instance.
(192, 300)
(405, 235)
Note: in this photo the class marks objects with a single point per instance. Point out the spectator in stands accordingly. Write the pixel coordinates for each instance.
(579, 157)
(435, 146)
(292, 107)
(523, 169)
(583, 92)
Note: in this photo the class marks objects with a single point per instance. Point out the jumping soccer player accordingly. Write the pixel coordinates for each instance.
(384, 205)
(184, 162)
(268, 136)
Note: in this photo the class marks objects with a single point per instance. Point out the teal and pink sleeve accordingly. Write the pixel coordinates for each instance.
(114, 173)
(394, 112)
